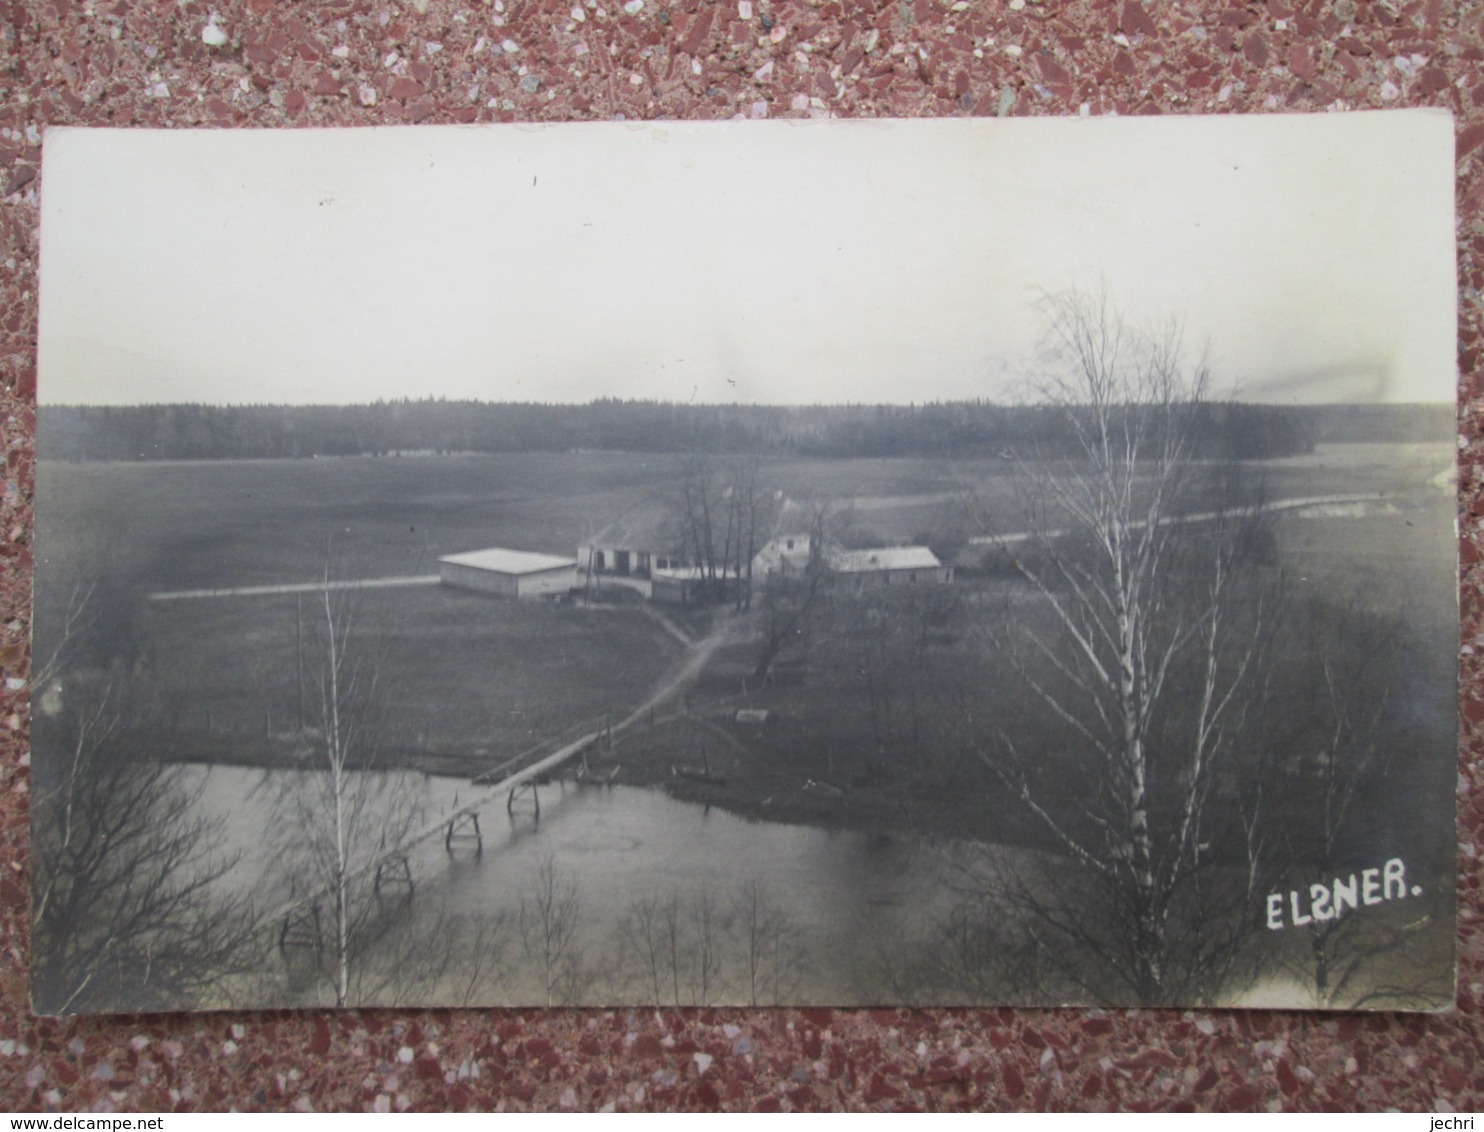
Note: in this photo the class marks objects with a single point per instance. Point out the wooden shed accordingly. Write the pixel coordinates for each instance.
(509, 573)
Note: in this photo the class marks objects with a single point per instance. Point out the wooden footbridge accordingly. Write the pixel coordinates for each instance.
(511, 780)
(518, 775)
(459, 822)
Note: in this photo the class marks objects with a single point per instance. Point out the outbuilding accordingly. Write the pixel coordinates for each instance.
(890, 566)
(510, 573)
(793, 555)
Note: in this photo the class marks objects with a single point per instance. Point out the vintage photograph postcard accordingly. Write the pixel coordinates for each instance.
(840, 562)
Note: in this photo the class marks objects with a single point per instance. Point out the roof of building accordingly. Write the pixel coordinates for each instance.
(649, 526)
(884, 558)
(502, 561)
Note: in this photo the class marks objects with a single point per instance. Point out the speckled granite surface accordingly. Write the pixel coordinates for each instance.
(347, 62)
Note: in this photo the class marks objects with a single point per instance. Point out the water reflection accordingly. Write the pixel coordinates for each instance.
(832, 900)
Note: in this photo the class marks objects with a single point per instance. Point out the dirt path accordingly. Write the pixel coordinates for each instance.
(1202, 516)
(668, 625)
(698, 655)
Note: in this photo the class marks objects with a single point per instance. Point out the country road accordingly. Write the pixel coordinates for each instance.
(300, 588)
(1011, 538)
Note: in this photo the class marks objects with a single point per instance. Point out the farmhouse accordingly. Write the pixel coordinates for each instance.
(787, 555)
(509, 573)
(641, 551)
(620, 561)
(631, 550)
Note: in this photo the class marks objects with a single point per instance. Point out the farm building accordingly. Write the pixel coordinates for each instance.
(631, 550)
(790, 555)
(890, 565)
(784, 554)
(509, 573)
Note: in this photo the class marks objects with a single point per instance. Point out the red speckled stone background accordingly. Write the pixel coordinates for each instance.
(364, 62)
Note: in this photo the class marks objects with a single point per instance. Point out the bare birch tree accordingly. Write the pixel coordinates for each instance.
(548, 921)
(348, 817)
(1141, 652)
(336, 859)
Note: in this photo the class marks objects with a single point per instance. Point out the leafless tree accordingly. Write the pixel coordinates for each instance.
(723, 510)
(707, 929)
(1142, 651)
(891, 634)
(1338, 739)
(791, 600)
(650, 938)
(673, 947)
(348, 818)
(128, 912)
(973, 953)
(772, 952)
(411, 951)
(485, 956)
(548, 920)
(883, 679)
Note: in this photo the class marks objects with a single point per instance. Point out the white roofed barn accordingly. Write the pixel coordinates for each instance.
(509, 573)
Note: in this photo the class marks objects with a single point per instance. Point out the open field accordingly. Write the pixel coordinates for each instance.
(194, 525)
(463, 678)
(884, 709)
(461, 681)
(190, 525)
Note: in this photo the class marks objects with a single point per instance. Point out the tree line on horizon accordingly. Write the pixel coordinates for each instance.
(961, 429)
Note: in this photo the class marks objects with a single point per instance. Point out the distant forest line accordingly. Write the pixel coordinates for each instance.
(1227, 430)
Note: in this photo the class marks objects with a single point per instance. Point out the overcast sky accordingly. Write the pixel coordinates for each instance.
(763, 262)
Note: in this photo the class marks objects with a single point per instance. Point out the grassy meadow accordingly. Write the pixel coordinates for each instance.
(879, 714)
(473, 678)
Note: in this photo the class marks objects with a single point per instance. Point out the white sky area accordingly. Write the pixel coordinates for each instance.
(756, 262)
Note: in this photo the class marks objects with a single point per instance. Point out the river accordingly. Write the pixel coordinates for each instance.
(834, 903)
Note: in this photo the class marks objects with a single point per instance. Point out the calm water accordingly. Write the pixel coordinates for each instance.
(847, 897)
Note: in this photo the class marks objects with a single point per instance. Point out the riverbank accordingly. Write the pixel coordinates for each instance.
(741, 782)
(746, 783)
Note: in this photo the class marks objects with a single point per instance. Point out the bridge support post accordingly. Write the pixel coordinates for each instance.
(454, 834)
(535, 798)
(394, 871)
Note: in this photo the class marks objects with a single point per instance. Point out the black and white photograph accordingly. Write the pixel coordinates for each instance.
(875, 562)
